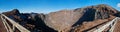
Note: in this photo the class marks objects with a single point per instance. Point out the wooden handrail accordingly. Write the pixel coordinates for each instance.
(107, 25)
(22, 29)
(113, 26)
(5, 24)
(19, 27)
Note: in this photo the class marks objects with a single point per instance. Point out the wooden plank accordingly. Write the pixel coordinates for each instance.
(117, 26)
(4, 24)
(10, 29)
(19, 27)
(105, 26)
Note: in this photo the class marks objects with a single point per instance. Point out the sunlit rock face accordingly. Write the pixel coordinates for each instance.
(64, 20)
(61, 20)
(31, 21)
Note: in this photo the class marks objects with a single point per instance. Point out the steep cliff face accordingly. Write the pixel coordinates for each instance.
(101, 11)
(66, 19)
(63, 20)
(31, 21)
(91, 13)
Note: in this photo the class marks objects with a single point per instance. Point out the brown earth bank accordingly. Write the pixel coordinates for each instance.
(76, 20)
(117, 27)
(2, 27)
(31, 21)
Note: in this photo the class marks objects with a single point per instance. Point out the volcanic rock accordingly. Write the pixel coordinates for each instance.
(65, 20)
(13, 12)
(31, 21)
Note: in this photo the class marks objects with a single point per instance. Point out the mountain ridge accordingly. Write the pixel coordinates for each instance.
(64, 20)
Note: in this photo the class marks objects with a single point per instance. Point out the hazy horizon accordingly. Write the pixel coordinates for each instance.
(47, 6)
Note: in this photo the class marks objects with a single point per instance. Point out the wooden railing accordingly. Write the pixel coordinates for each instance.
(110, 24)
(22, 29)
(13, 23)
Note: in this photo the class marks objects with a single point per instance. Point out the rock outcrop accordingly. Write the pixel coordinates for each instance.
(31, 21)
(13, 12)
(63, 20)
(117, 14)
(67, 19)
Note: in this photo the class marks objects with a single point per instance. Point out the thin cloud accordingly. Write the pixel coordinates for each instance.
(118, 5)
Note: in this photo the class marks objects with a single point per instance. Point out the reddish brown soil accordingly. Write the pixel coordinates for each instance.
(117, 26)
(89, 25)
(2, 28)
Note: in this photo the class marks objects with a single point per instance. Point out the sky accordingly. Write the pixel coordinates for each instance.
(47, 6)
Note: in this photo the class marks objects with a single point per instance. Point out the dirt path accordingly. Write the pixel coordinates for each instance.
(2, 28)
(91, 25)
(117, 27)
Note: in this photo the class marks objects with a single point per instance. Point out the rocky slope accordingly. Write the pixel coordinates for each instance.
(63, 20)
(67, 19)
(32, 21)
